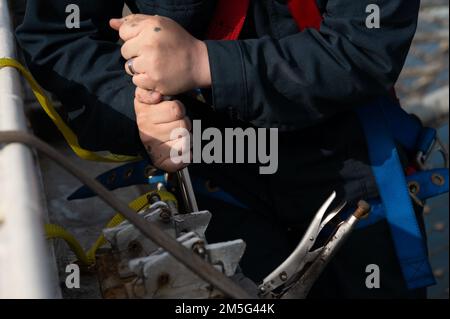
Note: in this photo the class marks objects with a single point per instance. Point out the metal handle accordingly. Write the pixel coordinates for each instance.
(187, 190)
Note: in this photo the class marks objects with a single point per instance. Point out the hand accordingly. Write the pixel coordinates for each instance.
(158, 122)
(166, 58)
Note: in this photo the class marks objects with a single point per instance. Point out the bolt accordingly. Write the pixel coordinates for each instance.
(165, 214)
(283, 276)
(413, 187)
(163, 279)
(153, 198)
(149, 171)
(128, 173)
(439, 226)
(438, 180)
(111, 178)
(134, 248)
(199, 248)
(439, 273)
(363, 209)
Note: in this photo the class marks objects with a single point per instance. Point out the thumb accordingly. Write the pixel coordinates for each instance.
(148, 96)
(116, 23)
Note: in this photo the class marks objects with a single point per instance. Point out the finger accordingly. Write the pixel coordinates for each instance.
(116, 23)
(164, 132)
(143, 81)
(164, 112)
(130, 48)
(169, 166)
(132, 26)
(129, 67)
(137, 66)
(147, 96)
(173, 155)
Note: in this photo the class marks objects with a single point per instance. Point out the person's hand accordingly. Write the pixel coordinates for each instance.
(164, 57)
(159, 124)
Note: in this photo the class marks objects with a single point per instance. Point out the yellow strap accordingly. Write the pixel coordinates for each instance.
(88, 258)
(48, 107)
(57, 232)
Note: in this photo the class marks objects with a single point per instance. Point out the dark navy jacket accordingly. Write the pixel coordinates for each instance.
(305, 83)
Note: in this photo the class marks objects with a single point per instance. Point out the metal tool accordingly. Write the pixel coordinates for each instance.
(187, 190)
(437, 146)
(161, 276)
(296, 275)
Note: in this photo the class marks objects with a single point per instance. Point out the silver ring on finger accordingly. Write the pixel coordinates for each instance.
(130, 66)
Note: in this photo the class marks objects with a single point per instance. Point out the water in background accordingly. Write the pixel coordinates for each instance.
(426, 70)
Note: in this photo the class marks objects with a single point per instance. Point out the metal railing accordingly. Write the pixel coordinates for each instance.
(25, 265)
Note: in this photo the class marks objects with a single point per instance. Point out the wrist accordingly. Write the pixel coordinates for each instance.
(201, 68)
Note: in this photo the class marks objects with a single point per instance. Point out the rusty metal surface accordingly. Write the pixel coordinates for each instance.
(111, 285)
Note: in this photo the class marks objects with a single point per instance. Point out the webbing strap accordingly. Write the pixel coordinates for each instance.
(386, 166)
(65, 130)
(410, 246)
(305, 13)
(228, 20)
(407, 237)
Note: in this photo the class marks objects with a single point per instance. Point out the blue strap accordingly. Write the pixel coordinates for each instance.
(405, 128)
(426, 139)
(430, 183)
(427, 188)
(122, 176)
(388, 172)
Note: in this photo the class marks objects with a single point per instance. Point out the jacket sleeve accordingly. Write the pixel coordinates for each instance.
(83, 67)
(302, 79)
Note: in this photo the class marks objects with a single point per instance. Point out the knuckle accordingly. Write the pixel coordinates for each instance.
(157, 76)
(135, 81)
(147, 22)
(177, 110)
(156, 44)
(123, 51)
(137, 95)
(156, 19)
(122, 33)
(146, 51)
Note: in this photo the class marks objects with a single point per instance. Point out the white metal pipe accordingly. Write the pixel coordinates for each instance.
(24, 262)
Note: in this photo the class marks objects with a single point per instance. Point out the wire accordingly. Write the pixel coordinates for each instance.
(192, 261)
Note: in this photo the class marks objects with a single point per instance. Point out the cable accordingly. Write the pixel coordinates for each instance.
(192, 261)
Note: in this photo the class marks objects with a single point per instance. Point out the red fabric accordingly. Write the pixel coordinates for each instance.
(230, 15)
(410, 170)
(228, 20)
(306, 13)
